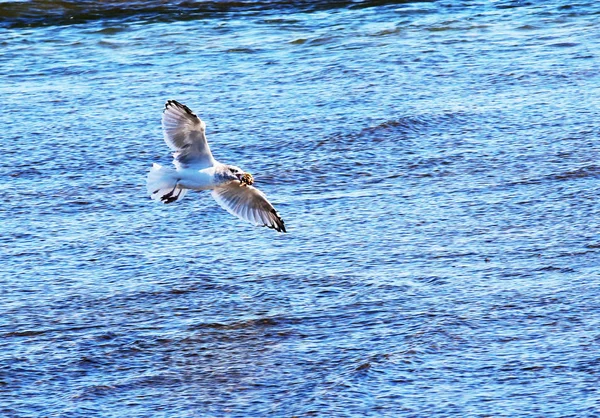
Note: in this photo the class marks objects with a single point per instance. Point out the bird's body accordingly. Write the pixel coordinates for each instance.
(194, 179)
(196, 169)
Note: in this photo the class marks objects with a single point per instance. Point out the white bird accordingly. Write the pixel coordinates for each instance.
(196, 169)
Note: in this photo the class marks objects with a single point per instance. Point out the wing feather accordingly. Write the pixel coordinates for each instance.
(248, 203)
(184, 133)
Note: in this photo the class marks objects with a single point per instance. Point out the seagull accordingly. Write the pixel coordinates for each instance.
(196, 169)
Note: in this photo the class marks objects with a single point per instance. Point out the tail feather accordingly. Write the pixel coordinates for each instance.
(162, 185)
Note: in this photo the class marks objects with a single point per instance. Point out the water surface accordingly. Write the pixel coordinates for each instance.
(436, 164)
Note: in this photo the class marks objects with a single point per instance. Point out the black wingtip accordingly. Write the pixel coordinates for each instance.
(278, 228)
(279, 225)
(179, 105)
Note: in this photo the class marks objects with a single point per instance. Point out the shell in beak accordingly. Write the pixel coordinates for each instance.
(246, 179)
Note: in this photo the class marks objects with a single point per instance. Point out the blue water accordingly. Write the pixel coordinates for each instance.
(436, 164)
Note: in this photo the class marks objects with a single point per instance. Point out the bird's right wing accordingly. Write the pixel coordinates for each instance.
(184, 133)
(248, 203)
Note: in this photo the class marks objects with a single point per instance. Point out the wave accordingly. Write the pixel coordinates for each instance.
(37, 13)
(582, 172)
(590, 171)
(414, 123)
(393, 129)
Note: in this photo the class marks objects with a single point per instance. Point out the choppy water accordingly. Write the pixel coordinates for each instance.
(437, 166)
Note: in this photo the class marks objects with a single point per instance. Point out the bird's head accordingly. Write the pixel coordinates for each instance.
(237, 173)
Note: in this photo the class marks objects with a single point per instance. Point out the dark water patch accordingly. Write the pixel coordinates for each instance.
(36, 13)
(528, 27)
(58, 331)
(113, 30)
(418, 123)
(30, 333)
(299, 41)
(181, 291)
(319, 41)
(246, 324)
(564, 45)
(403, 128)
(557, 269)
(79, 202)
(513, 4)
(26, 172)
(388, 32)
(591, 171)
(242, 51)
(406, 124)
(434, 280)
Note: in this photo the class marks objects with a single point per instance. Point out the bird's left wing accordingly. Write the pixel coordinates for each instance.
(248, 203)
(184, 133)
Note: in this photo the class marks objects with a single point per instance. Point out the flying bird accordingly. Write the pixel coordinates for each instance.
(196, 169)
